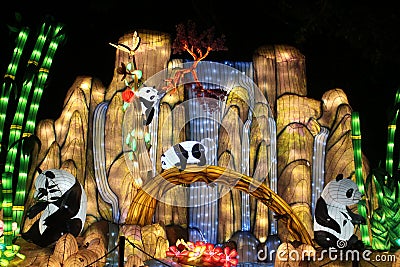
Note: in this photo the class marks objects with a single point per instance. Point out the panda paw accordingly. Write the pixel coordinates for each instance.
(359, 220)
(36, 209)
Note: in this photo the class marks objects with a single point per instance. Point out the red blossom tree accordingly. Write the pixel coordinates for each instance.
(197, 45)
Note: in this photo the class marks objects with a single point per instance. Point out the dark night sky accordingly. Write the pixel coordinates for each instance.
(353, 46)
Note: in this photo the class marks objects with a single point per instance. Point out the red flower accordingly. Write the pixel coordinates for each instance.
(228, 258)
(173, 251)
(181, 244)
(196, 253)
(128, 95)
(200, 243)
(212, 254)
(181, 247)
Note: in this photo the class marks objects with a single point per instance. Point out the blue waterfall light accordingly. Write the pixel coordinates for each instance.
(318, 166)
(245, 170)
(273, 171)
(204, 123)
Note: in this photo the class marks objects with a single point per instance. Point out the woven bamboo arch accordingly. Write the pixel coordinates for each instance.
(144, 204)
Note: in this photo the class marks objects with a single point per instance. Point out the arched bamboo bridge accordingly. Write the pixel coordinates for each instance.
(144, 204)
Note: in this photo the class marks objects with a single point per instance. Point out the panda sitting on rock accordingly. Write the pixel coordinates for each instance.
(334, 221)
(63, 203)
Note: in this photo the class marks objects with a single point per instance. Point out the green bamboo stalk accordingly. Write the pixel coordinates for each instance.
(362, 205)
(391, 136)
(9, 78)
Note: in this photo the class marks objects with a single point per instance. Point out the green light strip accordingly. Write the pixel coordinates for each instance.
(20, 194)
(362, 205)
(10, 74)
(15, 134)
(391, 137)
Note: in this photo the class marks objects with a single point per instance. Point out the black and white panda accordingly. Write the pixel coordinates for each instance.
(187, 152)
(334, 221)
(148, 97)
(64, 203)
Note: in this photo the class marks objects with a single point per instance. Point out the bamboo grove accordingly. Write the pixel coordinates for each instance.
(22, 89)
(381, 206)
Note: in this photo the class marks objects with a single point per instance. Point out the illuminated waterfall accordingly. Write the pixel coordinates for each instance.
(247, 69)
(100, 173)
(273, 171)
(99, 158)
(318, 166)
(245, 170)
(203, 214)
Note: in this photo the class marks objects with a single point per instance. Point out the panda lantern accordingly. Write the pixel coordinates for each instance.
(64, 203)
(334, 221)
(148, 97)
(187, 152)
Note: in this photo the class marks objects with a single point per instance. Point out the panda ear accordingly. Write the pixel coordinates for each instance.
(50, 174)
(339, 177)
(39, 170)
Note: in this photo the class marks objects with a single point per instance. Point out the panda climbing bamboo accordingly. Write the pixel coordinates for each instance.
(148, 97)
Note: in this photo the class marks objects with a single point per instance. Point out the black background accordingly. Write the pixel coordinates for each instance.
(352, 45)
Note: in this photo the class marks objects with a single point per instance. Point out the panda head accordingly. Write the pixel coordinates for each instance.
(149, 95)
(343, 191)
(166, 161)
(50, 185)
